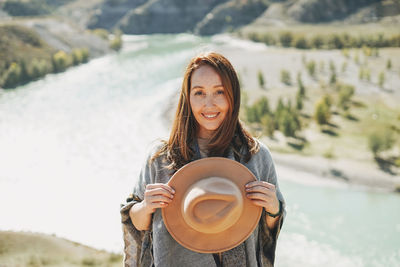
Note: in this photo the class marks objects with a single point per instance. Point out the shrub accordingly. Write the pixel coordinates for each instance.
(389, 64)
(381, 79)
(267, 121)
(302, 88)
(317, 42)
(332, 79)
(335, 42)
(286, 38)
(60, 61)
(299, 101)
(322, 112)
(261, 81)
(380, 140)
(262, 106)
(289, 122)
(258, 110)
(285, 77)
(332, 66)
(346, 91)
(345, 52)
(268, 39)
(39, 68)
(12, 76)
(102, 33)
(116, 42)
(300, 42)
(311, 68)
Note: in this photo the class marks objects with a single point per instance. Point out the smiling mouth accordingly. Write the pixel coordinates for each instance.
(210, 116)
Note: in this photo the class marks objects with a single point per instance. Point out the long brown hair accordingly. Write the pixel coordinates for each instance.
(178, 149)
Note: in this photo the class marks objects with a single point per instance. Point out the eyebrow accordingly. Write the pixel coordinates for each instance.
(201, 87)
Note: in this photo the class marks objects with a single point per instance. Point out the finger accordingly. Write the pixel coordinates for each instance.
(260, 196)
(159, 198)
(259, 203)
(158, 191)
(260, 189)
(160, 185)
(260, 183)
(156, 205)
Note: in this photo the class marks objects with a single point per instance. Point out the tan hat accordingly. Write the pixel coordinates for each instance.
(210, 212)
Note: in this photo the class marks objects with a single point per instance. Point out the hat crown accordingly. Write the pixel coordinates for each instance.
(212, 205)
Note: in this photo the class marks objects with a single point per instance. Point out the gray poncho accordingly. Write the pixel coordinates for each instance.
(157, 247)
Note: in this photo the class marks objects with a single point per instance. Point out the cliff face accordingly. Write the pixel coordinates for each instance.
(230, 15)
(166, 16)
(212, 16)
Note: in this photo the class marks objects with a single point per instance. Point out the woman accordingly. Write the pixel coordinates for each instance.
(206, 124)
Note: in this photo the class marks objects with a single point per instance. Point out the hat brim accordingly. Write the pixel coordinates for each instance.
(202, 242)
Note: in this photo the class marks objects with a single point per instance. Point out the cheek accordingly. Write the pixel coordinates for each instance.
(194, 105)
(223, 104)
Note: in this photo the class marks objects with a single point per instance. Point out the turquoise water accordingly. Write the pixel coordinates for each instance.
(72, 144)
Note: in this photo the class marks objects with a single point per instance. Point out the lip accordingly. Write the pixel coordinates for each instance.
(212, 116)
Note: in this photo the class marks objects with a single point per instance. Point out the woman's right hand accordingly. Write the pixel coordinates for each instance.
(157, 196)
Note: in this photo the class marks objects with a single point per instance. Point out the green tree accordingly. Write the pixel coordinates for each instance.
(346, 91)
(299, 101)
(389, 64)
(287, 125)
(300, 42)
(116, 41)
(267, 121)
(258, 110)
(60, 61)
(12, 76)
(333, 79)
(302, 88)
(380, 140)
(322, 112)
(317, 41)
(285, 77)
(286, 38)
(261, 81)
(311, 68)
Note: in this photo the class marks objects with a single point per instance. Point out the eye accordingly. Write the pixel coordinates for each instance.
(220, 92)
(198, 93)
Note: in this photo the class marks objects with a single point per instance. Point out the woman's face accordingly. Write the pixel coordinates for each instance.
(208, 100)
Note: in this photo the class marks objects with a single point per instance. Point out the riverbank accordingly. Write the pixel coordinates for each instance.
(342, 157)
(36, 249)
(31, 48)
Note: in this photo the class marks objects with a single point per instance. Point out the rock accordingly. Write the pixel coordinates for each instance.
(166, 16)
(230, 15)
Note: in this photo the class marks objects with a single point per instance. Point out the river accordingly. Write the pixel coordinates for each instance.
(72, 144)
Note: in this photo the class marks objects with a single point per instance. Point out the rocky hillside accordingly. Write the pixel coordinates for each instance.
(202, 16)
(210, 16)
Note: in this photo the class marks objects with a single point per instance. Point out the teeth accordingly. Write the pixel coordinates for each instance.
(210, 116)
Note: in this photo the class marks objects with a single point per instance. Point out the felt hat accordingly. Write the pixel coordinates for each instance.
(210, 212)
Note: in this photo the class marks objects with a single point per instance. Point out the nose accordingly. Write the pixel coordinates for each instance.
(209, 100)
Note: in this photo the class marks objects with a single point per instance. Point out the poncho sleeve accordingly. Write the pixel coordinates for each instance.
(137, 244)
(268, 237)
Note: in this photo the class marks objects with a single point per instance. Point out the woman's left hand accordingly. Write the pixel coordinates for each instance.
(263, 194)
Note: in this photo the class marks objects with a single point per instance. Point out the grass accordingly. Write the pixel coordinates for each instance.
(309, 30)
(33, 249)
